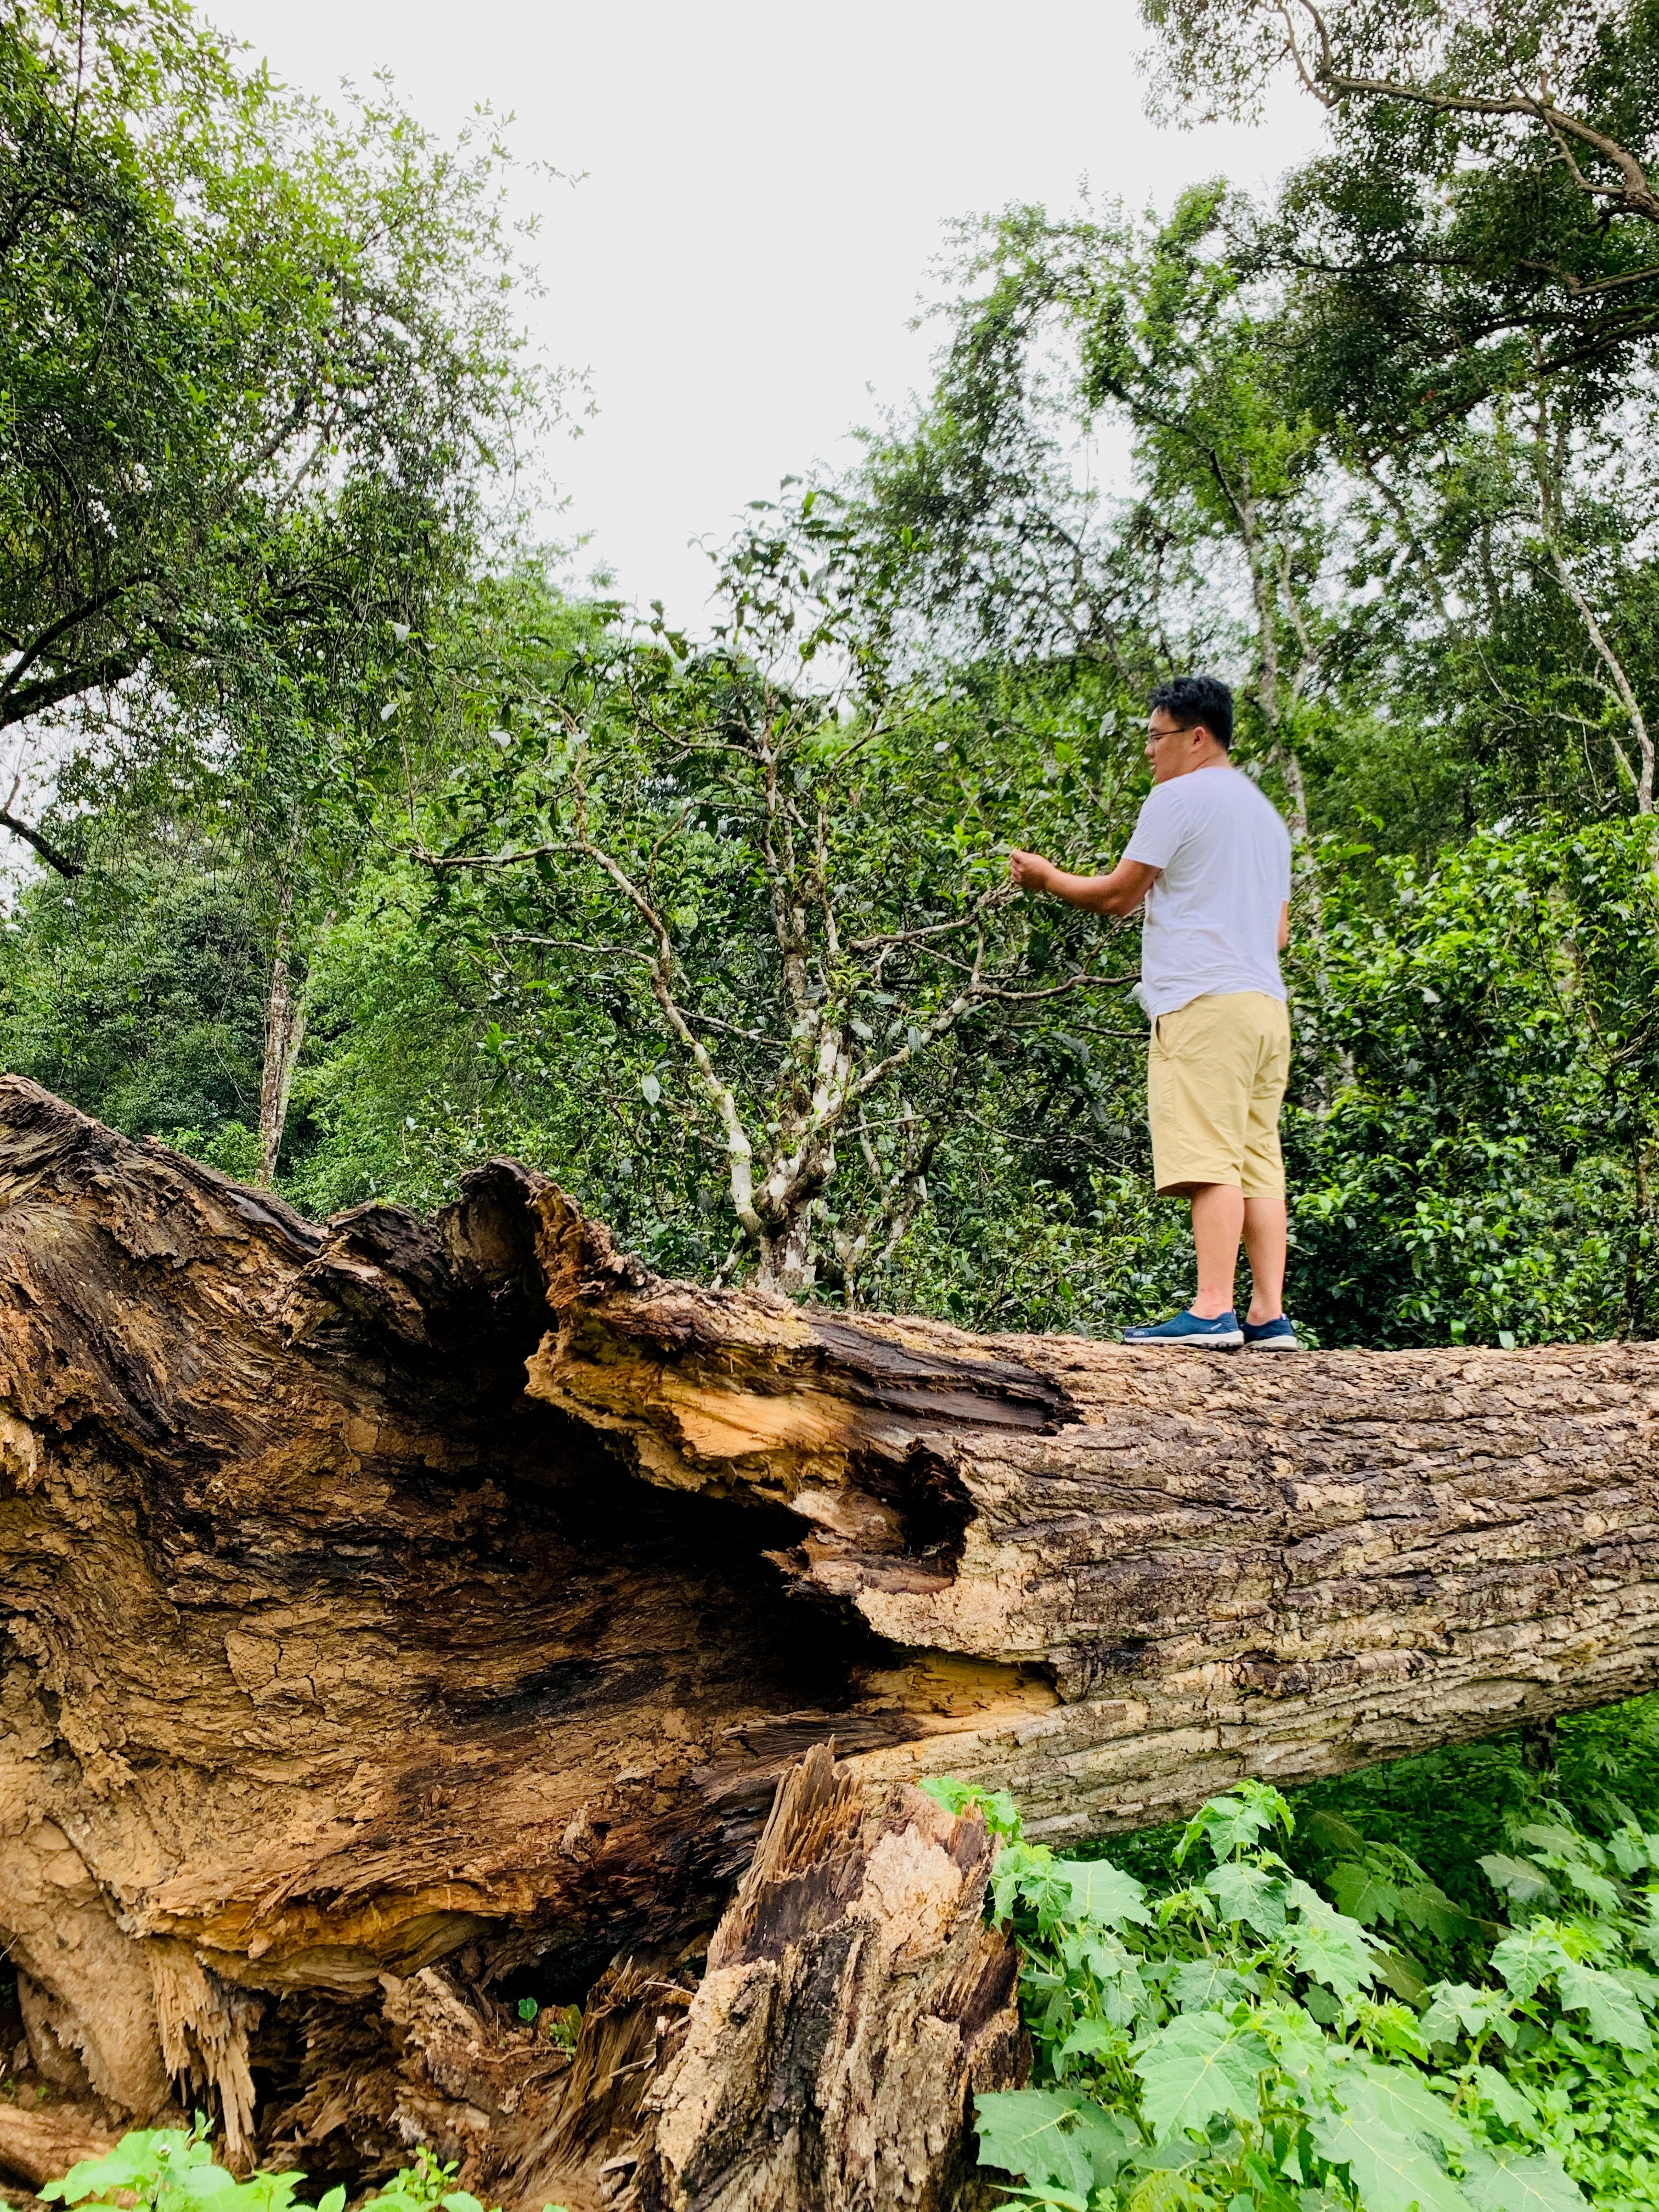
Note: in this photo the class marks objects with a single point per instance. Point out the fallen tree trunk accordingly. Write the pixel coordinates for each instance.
(400, 1618)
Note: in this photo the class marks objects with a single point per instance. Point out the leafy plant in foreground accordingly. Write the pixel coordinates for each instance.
(173, 2169)
(1237, 2039)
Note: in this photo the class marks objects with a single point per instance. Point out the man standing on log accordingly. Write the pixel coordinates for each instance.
(1211, 861)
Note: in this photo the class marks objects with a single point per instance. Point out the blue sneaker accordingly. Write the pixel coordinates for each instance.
(1221, 1334)
(1270, 1336)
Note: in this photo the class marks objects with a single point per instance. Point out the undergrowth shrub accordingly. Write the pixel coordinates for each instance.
(173, 2169)
(1290, 2014)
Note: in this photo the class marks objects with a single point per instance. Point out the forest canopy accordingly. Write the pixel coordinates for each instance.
(362, 842)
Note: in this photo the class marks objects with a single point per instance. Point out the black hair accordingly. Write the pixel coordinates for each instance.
(1190, 699)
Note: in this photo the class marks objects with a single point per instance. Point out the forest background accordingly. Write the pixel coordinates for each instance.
(363, 848)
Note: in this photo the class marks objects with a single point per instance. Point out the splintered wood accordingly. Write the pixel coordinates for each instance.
(400, 1617)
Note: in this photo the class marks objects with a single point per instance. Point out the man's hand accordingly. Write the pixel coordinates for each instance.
(1119, 893)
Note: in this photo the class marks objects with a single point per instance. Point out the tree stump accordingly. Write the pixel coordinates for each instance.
(401, 1617)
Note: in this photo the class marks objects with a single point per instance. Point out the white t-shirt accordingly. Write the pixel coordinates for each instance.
(1212, 920)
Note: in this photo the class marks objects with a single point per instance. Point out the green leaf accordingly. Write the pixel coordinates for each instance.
(1103, 1893)
(1050, 2138)
(1536, 2182)
(1362, 1893)
(1521, 1882)
(1458, 2008)
(1527, 1958)
(135, 2163)
(1391, 2172)
(1328, 1947)
(1501, 2094)
(200, 2185)
(1633, 1852)
(1614, 2014)
(996, 1807)
(1424, 1905)
(1567, 1843)
(1204, 1983)
(1233, 1822)
(1402, 1974)
(1199, 2066)
(1249, 1893)
(335, 2200)
(1398, 2097)
(1092, 2038)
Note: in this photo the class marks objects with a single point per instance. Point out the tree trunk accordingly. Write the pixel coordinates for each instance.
(285, 1033)
(399, 1619)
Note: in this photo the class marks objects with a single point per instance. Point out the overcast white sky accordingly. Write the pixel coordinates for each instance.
(764, 189)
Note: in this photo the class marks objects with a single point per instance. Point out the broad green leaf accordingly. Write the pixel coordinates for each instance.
(1204, 1983)
(1391, 2172)
(1531, 1955)
(1521, 1882)
(1459, 2009)
(200, 2185)
(1614, 2015)
(1402, 1974)
(1092, 2038)
(1199, 2066)
(1050, 2198)
(1050, 2136)
(1425, 1905)
(1249, 1893)
(1398, 2097)
(1512, 2183)
(335, 2200)
(1103, 1893)
(1328, 1946)
(1634, 1851)
(1641, 1986)
(1020, 1870)
(1233, 1822)
(1363, 1895)
(1547, 1836)
(136, 2161)
(1335, 1832)
(1501, 2094)
(1298, 2047)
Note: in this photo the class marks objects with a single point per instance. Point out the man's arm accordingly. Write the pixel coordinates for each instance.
(1283, 925)
(1120, 892)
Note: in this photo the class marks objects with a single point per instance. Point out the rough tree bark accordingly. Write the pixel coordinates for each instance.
(397, 1618)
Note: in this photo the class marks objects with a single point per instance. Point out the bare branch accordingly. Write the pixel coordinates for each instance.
(48, 852)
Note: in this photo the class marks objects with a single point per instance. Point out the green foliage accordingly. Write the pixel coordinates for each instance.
(1234, 2033)
(1484, 1174)
(254, 359)
(170, 2170)
(141, 997)
(1471, 218)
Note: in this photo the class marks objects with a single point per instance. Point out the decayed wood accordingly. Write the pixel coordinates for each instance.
(853, 2002)
(37, 2144)
(396, 1597)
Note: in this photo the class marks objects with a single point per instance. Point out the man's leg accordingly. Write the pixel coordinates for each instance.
(1218, 1223)
(1265, 1235)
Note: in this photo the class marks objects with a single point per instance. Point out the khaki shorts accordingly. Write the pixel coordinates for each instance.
(1215, 1082)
